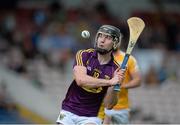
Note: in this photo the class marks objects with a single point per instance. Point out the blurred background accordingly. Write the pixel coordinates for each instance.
(39, 39)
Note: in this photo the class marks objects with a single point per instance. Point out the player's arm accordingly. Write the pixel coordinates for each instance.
(112, 96)
(82, 79)
(134, 82)
(134, 74)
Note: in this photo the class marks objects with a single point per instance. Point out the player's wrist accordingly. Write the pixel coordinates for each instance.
(123, 86)
(110, 82)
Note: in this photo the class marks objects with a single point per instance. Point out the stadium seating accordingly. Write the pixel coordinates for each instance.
(162, 103)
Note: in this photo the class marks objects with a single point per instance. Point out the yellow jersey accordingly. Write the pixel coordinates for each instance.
(131, 67)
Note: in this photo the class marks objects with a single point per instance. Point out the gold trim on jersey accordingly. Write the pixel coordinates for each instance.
(79, 56)
(107, 77)
(97, 70)
(89, 50)
(116, 63)
(93, 90)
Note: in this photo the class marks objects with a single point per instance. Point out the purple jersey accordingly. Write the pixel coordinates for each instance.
(85, 101)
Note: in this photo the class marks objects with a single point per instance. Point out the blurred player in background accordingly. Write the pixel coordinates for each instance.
(119, 114)
(94, 71)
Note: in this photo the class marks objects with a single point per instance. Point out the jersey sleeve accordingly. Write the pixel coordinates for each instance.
(81, 58)
(132, 65)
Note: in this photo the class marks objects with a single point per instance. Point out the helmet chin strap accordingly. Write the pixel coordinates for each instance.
(102, 51)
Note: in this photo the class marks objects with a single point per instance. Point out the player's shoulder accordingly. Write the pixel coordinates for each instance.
(85, 52)
(90, 50)
(132, 58)
(119, 55)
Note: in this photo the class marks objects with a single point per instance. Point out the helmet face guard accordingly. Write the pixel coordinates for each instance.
(112, 31)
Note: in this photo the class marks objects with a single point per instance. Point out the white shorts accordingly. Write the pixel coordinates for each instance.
(68, 118)
(118, 116)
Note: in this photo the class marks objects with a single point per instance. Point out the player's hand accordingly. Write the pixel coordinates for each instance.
(121, 73)
(118, 77)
